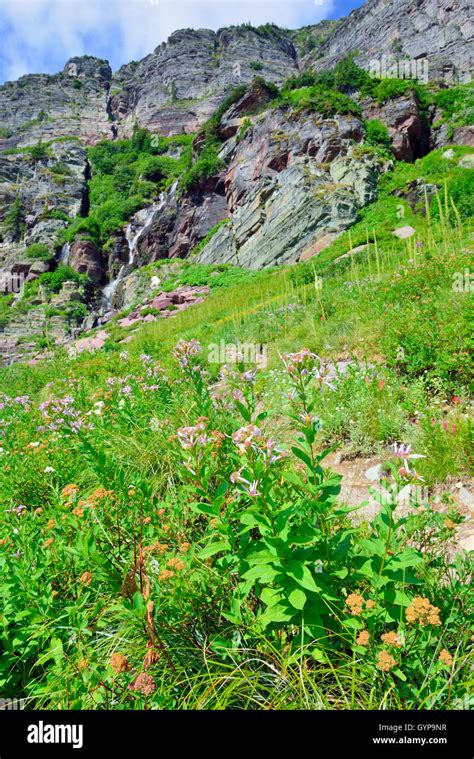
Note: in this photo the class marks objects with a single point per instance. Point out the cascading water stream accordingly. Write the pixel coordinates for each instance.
(64, 254)
(144, 218)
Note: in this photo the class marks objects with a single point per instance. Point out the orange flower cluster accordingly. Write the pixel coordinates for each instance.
(391, 639)
(421, 611)
(156, 548)
(119, 663)
(48, 542)
(355, 602)
(86, 578)
(446, 658)
(70, 491)
(363, 638)
(385, 661)
(96, 497)
(175, 564)
(166, 574)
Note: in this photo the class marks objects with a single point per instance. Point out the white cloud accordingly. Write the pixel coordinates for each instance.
(40, 35)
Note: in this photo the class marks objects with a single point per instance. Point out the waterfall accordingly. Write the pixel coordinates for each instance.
(134, 231)
(64, 254)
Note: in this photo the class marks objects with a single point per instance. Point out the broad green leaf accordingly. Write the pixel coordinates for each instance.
(297, 598)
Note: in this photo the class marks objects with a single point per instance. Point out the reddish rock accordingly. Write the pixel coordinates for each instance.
(86, 259)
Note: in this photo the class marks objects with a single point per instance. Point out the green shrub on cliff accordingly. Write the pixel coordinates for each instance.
(14, 222)
(38, 250)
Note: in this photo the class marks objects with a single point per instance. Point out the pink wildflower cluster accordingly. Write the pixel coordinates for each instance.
(403, 452)
(20, 400)
(306, 364)
(251, 488)
(251, 438)
(194, 437)
(185, 351)
(60, 413)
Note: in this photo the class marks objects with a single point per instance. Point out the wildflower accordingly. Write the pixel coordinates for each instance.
(147, 520)
(185, 351)
(157, 547)
(194, 437)
(363, 638)
(176, 564)
(119, 663)
(86, 578)
(143, 684)
(184, 547)
(449, 524)
(422, 612)
(298, 363)
(82, 664)
(245, 436)
(249, 376)
(18, 509)
(385, 661)
(166, 574)
(69, 490)
(445, 658)
(49, 470)
(50, 524)
(403, 452)
(391, 639)
(369, 604)
(78, 512)
(251, 488)
(48, 542)
(355, 602)
(236, 478)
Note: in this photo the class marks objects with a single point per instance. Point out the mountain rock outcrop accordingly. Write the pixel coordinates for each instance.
(439, 31)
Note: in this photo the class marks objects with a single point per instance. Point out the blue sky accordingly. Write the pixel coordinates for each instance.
(38, 36)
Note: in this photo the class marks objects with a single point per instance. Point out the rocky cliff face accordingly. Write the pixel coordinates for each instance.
(440, 31)
(180, 84)
(45, 107)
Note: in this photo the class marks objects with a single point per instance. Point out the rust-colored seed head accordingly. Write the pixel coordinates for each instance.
(144, 684)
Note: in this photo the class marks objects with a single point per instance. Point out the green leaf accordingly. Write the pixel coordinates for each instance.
(297, 598)
(138, 601)
(302, 575)
(213, 548)
(204, 508)
(294, 479)
(263, 572)
(303, 457)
